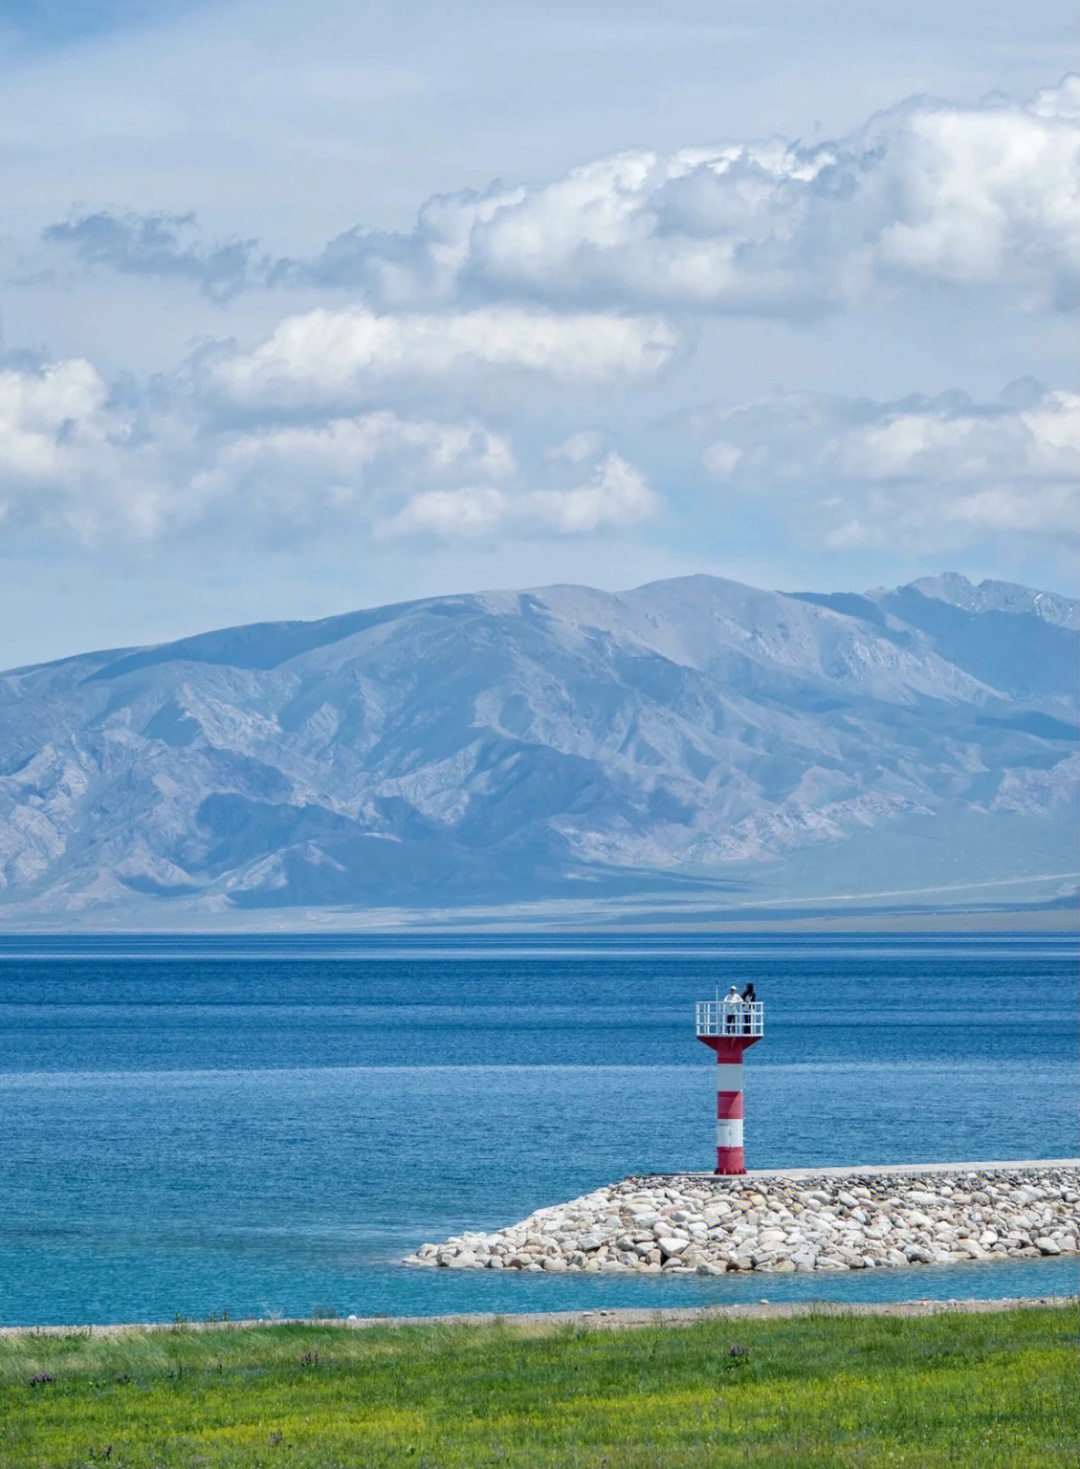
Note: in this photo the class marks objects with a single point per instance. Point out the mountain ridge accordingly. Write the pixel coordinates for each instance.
(1052, 607)
(486, 747)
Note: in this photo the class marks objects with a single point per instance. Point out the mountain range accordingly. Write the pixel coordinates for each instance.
(693, 746)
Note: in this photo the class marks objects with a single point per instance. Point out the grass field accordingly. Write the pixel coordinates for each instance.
(951, 1389)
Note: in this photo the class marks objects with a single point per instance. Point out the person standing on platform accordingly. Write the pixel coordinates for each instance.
(748, 998)
(732, 1011)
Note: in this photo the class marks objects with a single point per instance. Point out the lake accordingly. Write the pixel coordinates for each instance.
(264, 1125)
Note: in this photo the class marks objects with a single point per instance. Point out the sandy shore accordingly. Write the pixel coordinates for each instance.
(602, 1319)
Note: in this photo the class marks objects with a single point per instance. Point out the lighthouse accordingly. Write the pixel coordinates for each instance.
(728, 1026)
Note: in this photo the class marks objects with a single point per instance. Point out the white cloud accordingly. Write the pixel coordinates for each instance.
(467, 511)
(577, 448)
(921, 477)
(88, 463)
(927, 193)
(313, 475)
(61, 450)
(1041, 442)
(930, 191)
(72, 464)
(344, 446)
(720, 459)
(614, 496)
(332, 355)
(49, 419)
(1039, 510)
(987, 193)
(925, 521)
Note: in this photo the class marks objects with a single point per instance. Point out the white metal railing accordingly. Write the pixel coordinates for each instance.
(730, 1017)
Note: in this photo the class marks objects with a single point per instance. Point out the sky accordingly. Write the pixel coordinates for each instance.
(310, 309)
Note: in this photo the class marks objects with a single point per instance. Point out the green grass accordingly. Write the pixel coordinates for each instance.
(953, 1389)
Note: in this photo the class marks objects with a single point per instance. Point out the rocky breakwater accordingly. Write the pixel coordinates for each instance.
(835, 1220)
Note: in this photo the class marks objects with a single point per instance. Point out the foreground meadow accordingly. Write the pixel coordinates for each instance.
(950, 1389)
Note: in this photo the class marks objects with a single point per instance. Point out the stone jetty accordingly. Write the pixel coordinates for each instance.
(784, 1222)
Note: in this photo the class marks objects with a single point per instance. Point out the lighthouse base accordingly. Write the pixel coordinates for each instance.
(729, 1161)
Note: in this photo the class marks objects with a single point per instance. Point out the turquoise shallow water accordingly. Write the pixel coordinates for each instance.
(264, 1126)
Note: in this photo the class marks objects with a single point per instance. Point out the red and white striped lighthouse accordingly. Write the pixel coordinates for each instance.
(728, 1026)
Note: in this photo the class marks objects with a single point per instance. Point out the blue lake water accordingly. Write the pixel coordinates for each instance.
(264, 1126)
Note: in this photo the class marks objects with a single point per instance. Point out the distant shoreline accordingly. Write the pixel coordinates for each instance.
(615, 1318)
(1063, 920)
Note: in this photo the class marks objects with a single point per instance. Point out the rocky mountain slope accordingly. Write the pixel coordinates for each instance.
(690, 736)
